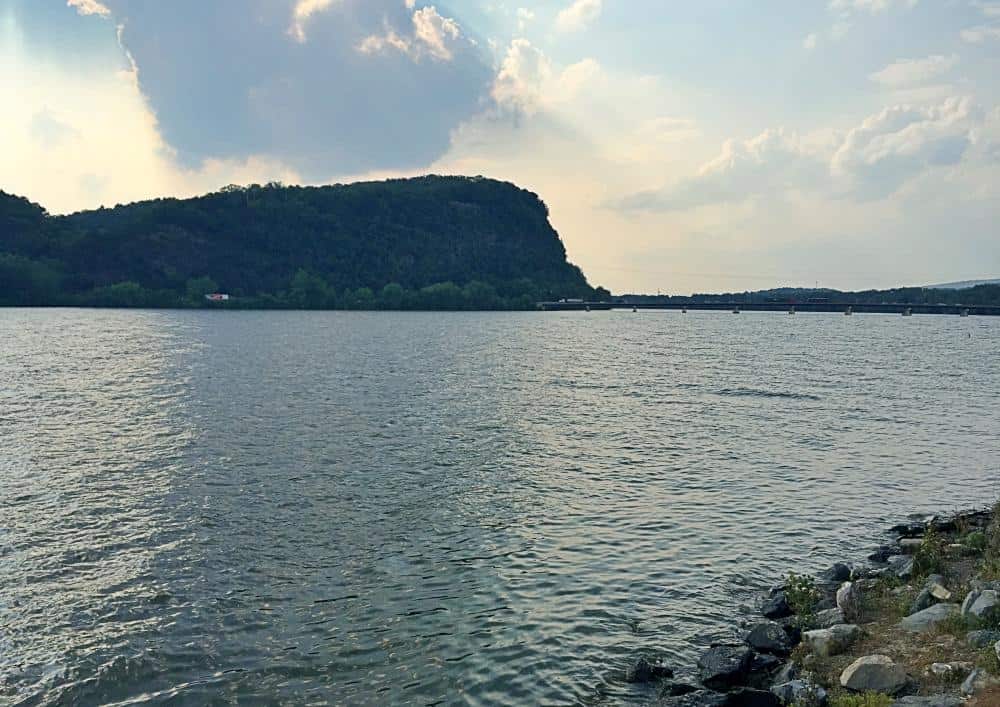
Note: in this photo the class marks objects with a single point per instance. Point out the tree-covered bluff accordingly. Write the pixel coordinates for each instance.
(424, 243)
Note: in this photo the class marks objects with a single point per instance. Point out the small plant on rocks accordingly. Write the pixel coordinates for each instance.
(991, 554)
(802, 595)
(929, 557)
(976, 541)
(868, 699)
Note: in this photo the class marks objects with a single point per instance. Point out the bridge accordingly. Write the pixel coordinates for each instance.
(790, 307)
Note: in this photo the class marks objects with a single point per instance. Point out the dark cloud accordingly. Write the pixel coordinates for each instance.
(228, 79)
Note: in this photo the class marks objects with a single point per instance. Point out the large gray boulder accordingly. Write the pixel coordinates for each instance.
(770, 637)
(762, 669)
(923, 600)
(788, 672)
(849, 600)
(928, 618)
(874, 673)
(936, 586)
(836, 574)
(986, 607)
(776, 606)
(723, 667)
(826, 642)
(902, 566)
(969, 600)
(978, 681)
(800, 692)
(934, 591)
(829, 617)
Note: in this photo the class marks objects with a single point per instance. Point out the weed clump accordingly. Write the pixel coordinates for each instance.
(868, 699)
(802, 595)
(930, 555)
(975, 541)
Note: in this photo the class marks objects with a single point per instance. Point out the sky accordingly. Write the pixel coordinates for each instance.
(681, 145)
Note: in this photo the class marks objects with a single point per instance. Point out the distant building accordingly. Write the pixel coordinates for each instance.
(217, 297)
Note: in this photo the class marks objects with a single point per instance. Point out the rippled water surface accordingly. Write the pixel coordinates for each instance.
(347, 508)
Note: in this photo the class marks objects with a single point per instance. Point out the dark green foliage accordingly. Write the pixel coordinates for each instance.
(427, 243)
(24, 281)
(979, 295)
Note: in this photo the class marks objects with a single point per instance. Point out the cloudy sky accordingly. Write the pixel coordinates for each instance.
(681, 146)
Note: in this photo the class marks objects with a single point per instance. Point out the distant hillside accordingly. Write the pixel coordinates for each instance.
(432, 242)
(988, 294)
(965, 285)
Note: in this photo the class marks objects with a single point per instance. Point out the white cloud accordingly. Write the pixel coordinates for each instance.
(773, 162)
(578, 15)
(435, 31)
(302, 13)
(888, 148)
(389, 39)
(89, 7)
(432, 36)
(527, 83)
(872, 161)
(872, 6)
(574, 78)
(524, 18)
(520, 83)
(980, 34)
(810, 41)
(910, 72)
(990, 9)
(983, 33)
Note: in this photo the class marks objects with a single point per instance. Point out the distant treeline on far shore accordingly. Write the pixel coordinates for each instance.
(980, 295)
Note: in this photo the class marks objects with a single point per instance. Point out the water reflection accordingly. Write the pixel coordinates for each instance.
(91, 444)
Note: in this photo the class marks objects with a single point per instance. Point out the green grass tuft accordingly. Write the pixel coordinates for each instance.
(868, 699)
(929, 557)
(975, 541)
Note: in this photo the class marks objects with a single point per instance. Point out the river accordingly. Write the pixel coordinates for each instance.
(470, 508)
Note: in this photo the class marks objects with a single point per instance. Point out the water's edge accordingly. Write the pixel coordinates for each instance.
(776, 662)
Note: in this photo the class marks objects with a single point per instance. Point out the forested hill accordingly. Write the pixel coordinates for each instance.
(431, 242)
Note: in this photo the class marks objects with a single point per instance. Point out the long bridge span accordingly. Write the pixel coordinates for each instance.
(790, 307)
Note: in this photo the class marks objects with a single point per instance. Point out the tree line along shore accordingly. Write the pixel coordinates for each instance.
(427, 243)
(424, 243)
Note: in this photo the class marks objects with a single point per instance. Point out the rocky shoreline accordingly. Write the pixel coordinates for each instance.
(915, 624)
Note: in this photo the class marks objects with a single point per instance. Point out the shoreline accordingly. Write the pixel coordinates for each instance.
(915, 623)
